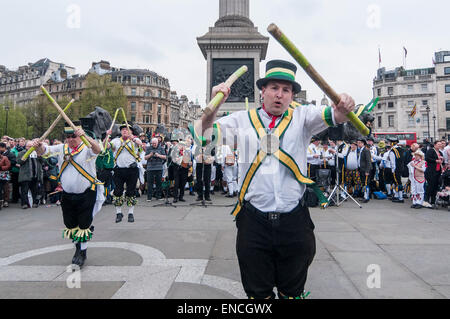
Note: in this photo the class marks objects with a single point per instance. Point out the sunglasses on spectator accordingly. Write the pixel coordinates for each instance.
(71, 136)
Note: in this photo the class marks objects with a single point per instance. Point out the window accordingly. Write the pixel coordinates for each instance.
(410, 88)
(378, 92)
(424, 87)
(411, 121)
(380, 123)
(447, 88)
(447, 105)
(423, 72)
(159, 119)
(159, 109)
(133, 91)
(390, 90)
(448, 123)
(425, 134)
(146, 119)
(147, 94)
(159, 93)
(424, 119)
(446, 58)
(133, 80)
(133, 106)
(424, 102)
(147, 80)
(133, 117)
(390, 104)
(447, 70)
(391, 120)
(166, 119)
(147, 107)
(410, 103)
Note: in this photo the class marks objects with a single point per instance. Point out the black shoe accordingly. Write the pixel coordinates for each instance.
(396, 200)
(80, 256)
(119, 217)
(365, 201)
(418, 206)
(175, 200)
(199, 198)
(191, 193)
(413, 205)
(181, 199)
(229, 196)
(208, 199)
(130, 218)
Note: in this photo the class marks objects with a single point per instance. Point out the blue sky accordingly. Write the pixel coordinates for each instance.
(339, 38)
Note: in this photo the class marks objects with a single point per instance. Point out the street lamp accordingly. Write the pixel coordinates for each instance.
(428, 120)
(6, 126)
(434, 127)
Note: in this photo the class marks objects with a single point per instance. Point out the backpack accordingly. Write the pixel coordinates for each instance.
(379, 195)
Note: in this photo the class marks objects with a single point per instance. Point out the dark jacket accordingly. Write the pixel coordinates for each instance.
(365, 161)
(431, 157)
(26, 168)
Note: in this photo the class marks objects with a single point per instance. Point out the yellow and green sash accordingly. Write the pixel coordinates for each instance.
(70, 160)
(127, 147)
(280, 154)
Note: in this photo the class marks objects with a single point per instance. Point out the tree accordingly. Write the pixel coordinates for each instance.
(101, 91)
(16, 120)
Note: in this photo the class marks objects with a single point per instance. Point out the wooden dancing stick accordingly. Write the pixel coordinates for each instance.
(49, 130)
(111, 127)
(125, 119)
(64, 115)
(219, 96)
(314, 75)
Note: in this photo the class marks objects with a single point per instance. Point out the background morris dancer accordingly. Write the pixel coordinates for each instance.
(396, 161)
(83, 194)
(126, 171)
(271, 216)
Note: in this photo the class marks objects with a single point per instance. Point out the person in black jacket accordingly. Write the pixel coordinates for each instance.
(434, 159)
(365, 166)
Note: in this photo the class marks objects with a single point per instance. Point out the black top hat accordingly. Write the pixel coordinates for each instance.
(280, 70)
(123, 125)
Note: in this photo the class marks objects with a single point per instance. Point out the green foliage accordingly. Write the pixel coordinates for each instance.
(17, 121)
(101, 91)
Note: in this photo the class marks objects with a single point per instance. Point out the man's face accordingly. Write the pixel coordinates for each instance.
(277, 95)
(360, 144)
(155, 144)
(353, 146)
(22, 143)
(414, 147)
(125, 133)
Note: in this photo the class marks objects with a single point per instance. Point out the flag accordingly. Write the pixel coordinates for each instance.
(413, 111)
(368, 107)
(406, 51)
(379, 55)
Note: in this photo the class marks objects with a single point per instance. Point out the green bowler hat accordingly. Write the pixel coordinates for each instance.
(280, 70)
(69, 130)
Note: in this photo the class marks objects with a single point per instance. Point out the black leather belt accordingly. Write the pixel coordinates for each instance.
(274, 217)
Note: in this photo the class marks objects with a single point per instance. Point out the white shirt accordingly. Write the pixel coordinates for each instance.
(125, 159)
(385, 162)
(71, 180)
(328, 157)
(352, 160)
(273, 188)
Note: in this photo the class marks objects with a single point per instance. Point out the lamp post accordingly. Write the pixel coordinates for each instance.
(6, 124)
(428, 120)
(434, 127)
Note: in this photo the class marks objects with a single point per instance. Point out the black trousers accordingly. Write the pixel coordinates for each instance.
(15, 186)
(274, 253)
(128, 176)
(154, 177)
(77, 209)
(24, 187)
(203, 179)
(312, 170)
(432, 188)
(180, 175)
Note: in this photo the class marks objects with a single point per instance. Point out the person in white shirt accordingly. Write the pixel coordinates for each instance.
(126, 170)
(271, 208)
(313, 158)
(83, 194)
(229, 170)
(352, 175)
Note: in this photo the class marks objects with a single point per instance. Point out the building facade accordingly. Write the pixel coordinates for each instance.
(442, 68)
(20, 87)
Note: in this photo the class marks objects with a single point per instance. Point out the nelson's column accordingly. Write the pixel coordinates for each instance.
(232, 42)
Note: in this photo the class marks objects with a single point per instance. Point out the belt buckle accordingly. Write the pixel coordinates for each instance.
(274, 217)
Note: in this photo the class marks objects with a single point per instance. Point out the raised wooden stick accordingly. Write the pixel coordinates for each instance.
(219, 96)
(314, 75)
(49, 130)
(111, 127)
(64, 115)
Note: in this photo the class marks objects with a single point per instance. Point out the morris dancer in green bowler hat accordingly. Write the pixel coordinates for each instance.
(275, 240)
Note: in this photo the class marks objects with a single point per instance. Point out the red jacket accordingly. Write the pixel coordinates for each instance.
(5, 164)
